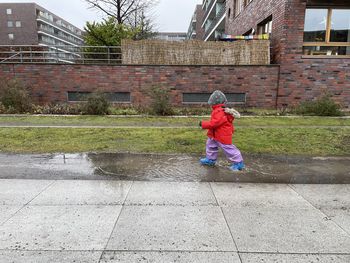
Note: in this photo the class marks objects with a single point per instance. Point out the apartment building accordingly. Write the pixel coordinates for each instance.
(214, 19)
(310, 40)
(171, 36)
(195, 30)
(31, 24)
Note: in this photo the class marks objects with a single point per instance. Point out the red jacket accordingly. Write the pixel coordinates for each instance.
(220, 127)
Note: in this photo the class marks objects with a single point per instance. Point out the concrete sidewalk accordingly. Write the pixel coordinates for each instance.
(125, 221)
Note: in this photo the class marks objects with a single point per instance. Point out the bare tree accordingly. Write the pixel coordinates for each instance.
(123, 11)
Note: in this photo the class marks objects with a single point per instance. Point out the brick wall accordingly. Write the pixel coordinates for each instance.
(305, 78)
(50, 83)
(199, 18)
(301, 78)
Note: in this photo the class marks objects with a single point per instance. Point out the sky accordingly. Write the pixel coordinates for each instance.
(169, 15)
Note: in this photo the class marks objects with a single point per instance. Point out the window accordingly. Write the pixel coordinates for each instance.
(121, 97)
(9, 24)
(18, 24)
(9, 11)
(11, 36)
(265, 27)
(237, 7)
(327, 32)
(340, 25)
(315, 25)
(194, 98)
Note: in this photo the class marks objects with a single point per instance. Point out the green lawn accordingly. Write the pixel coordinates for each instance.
(300, 141)
(169, 121)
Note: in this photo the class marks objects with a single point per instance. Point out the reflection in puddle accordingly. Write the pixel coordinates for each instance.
(183, 168)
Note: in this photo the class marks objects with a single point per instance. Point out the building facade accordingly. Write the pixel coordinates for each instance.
(30, 24)
(214, 19)
(195, 30)
(171, 36)
(310, 40)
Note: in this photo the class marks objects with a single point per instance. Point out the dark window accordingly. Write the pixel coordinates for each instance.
(204, 97)
(340, 25)
(74, 96)
(265, 27)
(249, 32)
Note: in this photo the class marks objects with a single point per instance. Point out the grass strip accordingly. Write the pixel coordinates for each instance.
(290, 141)
(166, 121)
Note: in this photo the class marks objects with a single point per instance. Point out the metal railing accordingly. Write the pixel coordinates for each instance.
(61, 54)
(208, 10)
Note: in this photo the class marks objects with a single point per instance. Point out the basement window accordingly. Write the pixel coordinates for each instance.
(200, 98)
(114, 97)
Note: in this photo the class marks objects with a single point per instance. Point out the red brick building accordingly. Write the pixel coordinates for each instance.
(310, 40)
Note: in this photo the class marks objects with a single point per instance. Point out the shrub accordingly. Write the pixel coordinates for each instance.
(14, 97)
(160, 101)
(97, 104)
(323, 106)
(58, 109)
(127, 110)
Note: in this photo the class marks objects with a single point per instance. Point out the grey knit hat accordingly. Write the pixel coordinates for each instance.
(217, 98)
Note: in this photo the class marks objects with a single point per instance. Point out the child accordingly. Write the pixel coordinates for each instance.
(220, 131)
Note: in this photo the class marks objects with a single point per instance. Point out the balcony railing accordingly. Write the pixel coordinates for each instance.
(215, 21)
(58, 26)
(72, 41)
(209, 9)
(61, 55)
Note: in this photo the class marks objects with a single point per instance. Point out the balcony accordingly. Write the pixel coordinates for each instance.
(59, 35)
(57, 25)
(211, 10)
(217, 24)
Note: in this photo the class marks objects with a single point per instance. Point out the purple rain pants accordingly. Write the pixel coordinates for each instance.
(232, 153)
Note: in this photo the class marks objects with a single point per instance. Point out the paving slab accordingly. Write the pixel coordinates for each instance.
(258, 195)
(170, 193)
(285, 230)
(59, 228)
(325, 196)
(7, 211)
(84, 193)
(293, 258)
(340, 216)
(172, 228)
(20, 192)
(49, 256)
(170, 257)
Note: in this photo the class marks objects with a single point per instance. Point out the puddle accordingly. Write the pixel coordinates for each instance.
(182, 168)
